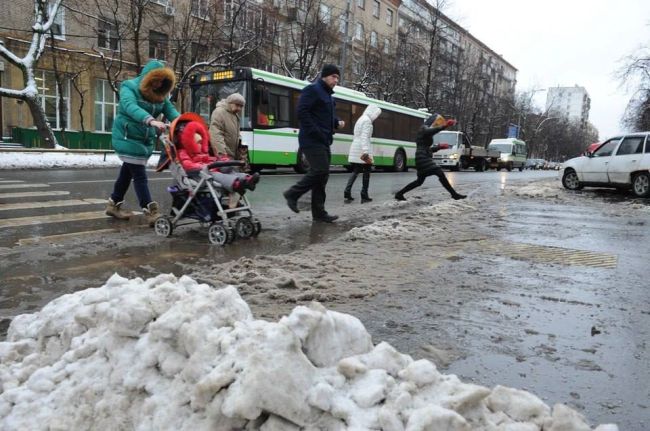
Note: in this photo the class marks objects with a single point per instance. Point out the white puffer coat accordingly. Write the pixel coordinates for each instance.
(362, 134)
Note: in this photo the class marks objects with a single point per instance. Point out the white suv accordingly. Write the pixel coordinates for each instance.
(621, 162)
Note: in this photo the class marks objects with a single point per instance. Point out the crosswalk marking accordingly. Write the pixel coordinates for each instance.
(33, 194)
(50, 204)
(53, 218)
(22, 186)
(55, 238)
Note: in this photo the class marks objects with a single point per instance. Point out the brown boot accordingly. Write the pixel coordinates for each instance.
(151, 212)
(115, 210)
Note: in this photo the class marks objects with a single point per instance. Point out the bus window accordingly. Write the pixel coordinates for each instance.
(272, 106)
(401, 128)
(211, 94)
(383, 126)
(357, 111)
(344, 113)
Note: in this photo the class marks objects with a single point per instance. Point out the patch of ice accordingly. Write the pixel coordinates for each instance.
(170, 353)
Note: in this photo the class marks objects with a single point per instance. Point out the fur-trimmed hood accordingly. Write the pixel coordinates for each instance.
(156, 82)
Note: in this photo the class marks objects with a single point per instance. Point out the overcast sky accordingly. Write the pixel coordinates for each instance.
(563, 42)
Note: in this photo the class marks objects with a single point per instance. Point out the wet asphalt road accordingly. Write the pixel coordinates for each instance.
(497, 320)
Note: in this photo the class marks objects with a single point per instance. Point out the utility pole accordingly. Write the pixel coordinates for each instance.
(344, 54)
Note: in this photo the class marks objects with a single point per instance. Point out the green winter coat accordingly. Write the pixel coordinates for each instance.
(141, 99)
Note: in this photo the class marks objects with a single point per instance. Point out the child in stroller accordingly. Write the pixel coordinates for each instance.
(207, 188)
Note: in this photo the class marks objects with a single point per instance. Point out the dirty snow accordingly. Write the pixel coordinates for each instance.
(60, 159)
(170, 353)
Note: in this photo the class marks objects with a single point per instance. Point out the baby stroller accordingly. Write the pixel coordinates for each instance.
(197, 198)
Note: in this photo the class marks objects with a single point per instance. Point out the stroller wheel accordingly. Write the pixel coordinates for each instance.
(245, 227)
(258, 227)
(218, 234)
(163, 226)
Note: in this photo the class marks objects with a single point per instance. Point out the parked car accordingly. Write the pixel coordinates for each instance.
(620, 162)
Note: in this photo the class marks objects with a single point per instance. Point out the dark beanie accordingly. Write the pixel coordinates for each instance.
(330, 69)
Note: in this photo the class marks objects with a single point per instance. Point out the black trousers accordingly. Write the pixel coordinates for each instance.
(358, 168)
(423, 174)
(315, 179)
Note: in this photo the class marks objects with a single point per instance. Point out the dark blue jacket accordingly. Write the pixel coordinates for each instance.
(317, 115)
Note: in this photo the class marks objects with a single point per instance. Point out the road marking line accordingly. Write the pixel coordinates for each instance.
(55, 238)
(10, 181)
(33, 194)
(22, 186)
(50, 204)
(53, 218)
(105, 181)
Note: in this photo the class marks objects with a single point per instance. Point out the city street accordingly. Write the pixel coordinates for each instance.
(523, 284)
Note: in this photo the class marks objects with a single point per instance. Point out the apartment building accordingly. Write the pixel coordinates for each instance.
(569, 102)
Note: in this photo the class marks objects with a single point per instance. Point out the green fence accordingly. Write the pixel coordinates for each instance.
(74, 140)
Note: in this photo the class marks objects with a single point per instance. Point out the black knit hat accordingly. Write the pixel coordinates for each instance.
(330, 69)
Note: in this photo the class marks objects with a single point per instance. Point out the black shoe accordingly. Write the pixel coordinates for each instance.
(252, 180)
(365, 199)
(347, 199)
(326, 218)
(292, 203)
(399, 197)
(458, 196)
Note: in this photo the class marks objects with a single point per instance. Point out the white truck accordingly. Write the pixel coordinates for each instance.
(461, 154)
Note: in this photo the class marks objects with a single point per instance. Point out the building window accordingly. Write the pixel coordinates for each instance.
(376, 8)
(105, 106)
(342, 24)
(325, 13)
(198, 53)
(361, 3)
(163, 2)
(107, 36)
(200, 8)
(389, 17)
(227, 11)
(48, 92)
(157, 45)
(358, 31)
(58, 25)
(386, 46)
(373, 39)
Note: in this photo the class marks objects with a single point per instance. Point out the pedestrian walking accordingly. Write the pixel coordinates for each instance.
(360, 157)
(225, 130)
(142, 100)
(424, 157)
(317, 118)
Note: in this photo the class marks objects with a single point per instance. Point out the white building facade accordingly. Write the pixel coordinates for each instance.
(569, 102)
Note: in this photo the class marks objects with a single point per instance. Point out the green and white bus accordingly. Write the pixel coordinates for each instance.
(270, 125)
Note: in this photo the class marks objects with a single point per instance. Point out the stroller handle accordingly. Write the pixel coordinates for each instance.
(225, 163)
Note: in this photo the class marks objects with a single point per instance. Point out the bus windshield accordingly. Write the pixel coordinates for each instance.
(206, 96)
(503, 148)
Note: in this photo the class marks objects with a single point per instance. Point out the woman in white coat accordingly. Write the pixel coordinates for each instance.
(360, 157)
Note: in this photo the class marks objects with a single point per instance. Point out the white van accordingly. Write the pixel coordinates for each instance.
(513, 153)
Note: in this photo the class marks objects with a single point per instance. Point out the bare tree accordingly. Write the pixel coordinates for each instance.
(43, 19)
(636, 72)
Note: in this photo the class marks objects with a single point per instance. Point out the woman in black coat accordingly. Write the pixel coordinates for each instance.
(424, 157)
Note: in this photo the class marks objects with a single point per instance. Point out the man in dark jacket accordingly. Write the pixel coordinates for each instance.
(317, 117)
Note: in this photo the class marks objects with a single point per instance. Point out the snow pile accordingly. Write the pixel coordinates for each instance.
(170, 353)
(425, 222)
(62, 159)
(539, 189)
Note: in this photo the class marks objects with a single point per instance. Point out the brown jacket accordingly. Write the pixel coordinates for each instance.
(224, 130)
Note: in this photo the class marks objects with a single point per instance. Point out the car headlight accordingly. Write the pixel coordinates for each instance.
(454, 156)
(505, 157)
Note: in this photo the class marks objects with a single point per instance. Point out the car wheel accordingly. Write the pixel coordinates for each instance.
(509, 167)
(399, 161)
(641, 184)
(480, 166)
(570, 180)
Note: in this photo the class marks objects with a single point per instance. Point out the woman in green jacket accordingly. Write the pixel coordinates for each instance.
(142, 100)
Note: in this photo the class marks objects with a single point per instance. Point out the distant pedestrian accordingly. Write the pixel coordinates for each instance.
(360, 157)
(225, 129)
(424, 157)
(317, 117)
(142, 100)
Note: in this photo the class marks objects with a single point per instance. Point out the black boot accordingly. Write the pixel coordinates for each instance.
(399, 196)
(347, 198)
(365, 198)
(457, 196)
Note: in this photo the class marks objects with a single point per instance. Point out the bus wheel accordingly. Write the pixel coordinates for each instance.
(302, 165)
(399, 161)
